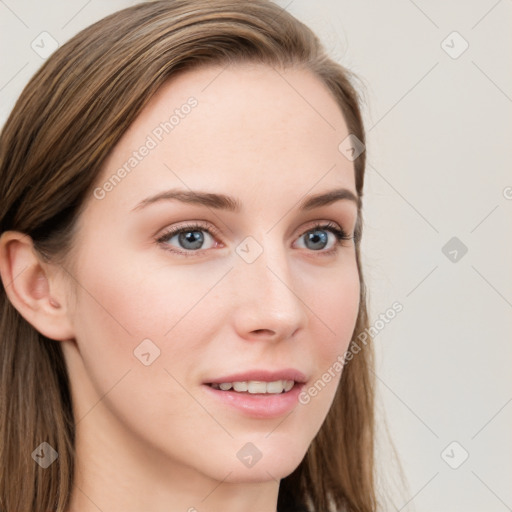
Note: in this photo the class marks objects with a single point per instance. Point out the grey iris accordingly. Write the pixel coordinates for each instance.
(195, 238)
(316, 237)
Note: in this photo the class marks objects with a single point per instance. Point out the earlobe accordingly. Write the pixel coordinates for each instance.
(32, 288)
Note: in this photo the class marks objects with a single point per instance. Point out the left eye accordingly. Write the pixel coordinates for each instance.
(317, 239)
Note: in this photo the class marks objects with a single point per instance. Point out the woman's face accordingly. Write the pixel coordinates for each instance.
(250, 291)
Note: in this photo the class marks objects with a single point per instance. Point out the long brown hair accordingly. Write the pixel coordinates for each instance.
(52, 147)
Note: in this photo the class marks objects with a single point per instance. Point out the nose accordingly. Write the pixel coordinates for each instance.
(267, 303)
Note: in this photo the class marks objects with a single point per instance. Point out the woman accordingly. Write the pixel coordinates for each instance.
(181, 223)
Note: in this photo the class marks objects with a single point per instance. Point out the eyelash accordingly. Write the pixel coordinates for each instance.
(340, 234)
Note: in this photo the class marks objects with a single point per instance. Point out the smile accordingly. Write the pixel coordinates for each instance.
(256, 387)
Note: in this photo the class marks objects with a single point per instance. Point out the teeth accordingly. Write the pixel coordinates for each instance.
(274, 387)
(288, 384)
(240, 386)
(256, 386)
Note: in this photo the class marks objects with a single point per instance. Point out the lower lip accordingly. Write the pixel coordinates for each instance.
(258, 405)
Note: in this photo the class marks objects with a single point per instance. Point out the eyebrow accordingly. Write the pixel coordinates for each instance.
(228, 203)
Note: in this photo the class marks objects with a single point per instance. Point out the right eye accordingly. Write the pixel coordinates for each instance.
(190, 239)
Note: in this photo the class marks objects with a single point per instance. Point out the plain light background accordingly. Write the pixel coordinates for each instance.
(437, 84)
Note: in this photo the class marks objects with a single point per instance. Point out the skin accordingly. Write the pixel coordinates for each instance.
(150, 437)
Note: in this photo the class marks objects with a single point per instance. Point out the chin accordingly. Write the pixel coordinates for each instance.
(261, 473)
(264, 461)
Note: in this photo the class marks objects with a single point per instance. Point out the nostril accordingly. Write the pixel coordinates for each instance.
(263, 331)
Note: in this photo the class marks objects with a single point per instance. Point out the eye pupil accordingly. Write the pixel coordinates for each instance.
(317, 237)
(196, 238)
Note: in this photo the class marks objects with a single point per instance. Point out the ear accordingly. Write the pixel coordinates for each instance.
(34, 287)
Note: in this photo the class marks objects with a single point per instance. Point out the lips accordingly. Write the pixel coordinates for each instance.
(269, 394)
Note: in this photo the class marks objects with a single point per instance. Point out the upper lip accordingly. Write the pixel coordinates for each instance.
(262, 376)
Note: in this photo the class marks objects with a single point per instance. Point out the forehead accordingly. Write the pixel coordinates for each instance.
(251, 130)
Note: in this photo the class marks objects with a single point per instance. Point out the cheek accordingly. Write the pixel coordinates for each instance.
(335, 308)
(333, 300)
(141, 338)
(145, 318)
(136, 298)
